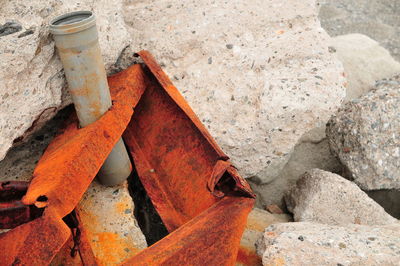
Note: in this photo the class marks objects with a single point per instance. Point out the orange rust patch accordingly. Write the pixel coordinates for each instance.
(121, 207)
(279, 262)
(247, 257)
(270, 234)
(109, 249)
(256, 225)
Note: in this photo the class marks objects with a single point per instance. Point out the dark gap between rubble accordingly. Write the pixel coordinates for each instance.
(146, 215)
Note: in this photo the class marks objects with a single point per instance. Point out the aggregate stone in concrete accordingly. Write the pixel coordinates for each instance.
(259, 74)
(365, 135)
(323, 197)
(317, 244)
(32, 83)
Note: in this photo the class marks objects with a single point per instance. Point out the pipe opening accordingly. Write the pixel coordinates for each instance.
(71, 18)
(72, 22)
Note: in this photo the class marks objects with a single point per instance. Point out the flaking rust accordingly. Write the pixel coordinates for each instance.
(198, 194)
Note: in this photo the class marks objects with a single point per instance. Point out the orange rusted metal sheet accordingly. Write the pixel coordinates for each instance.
(178, 162)
(211, 238)
(64, 173)
(199, 195)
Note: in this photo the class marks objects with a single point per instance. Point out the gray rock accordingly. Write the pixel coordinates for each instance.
(364, 135)
(32, 85)
(317, 244)
(327, 198)
(10, 28)
(364, 62)
(258, 75)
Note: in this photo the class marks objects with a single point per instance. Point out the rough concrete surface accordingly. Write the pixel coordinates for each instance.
(32, 85)
(364, 62)
(365, 135)
(22, 159)
(327, 198)
(107, 217)
(317, 244)
(258, 74)
(378, 19)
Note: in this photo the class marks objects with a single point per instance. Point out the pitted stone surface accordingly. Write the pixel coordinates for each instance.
(365, 135)
(327, 198)
(258, 74)
(32, 85)
(107, 216)
(364, 62)
(317, 244)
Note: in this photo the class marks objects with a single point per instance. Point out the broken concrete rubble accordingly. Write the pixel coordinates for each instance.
(107, 218)
(327, 198)
(364, 135)
(210, 55)
(265, 66)
(377, 19)
(364, 62)
(316, 244)
(30, 71)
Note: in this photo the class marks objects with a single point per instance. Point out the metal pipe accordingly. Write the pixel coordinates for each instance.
(76, 39)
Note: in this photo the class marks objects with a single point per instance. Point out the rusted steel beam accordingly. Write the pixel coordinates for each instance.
(182, 168)
(199, 195)
(64, 173)
(34, 243)
(211, 238)
(73, 159)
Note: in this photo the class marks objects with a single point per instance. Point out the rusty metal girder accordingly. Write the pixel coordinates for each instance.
(198, 194)
(63, 174)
